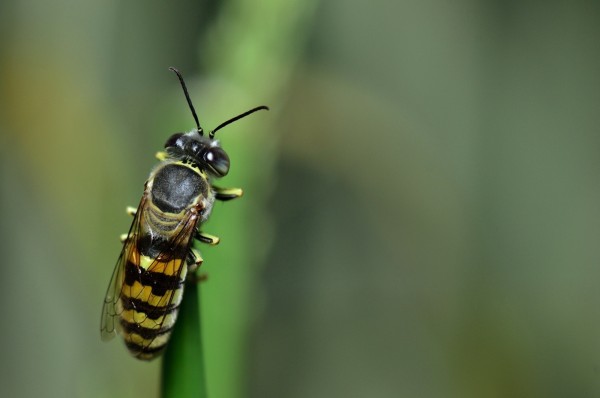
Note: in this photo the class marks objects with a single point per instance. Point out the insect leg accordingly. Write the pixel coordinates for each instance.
(194, 261)
(227, 193)
(161, 155)
(196, 278)
(207, 238)
(132, 212)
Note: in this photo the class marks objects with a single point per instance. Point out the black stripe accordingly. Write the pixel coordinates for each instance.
(153, 246)
(144, 332)
(136, 349)
(159, 282)
(151, 311)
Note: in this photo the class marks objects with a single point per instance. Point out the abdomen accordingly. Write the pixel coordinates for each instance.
(156, 269)
(150, 300)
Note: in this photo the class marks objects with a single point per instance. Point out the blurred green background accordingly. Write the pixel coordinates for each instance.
(421, 214)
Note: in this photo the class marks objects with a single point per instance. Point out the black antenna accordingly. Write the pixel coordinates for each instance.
(187, 97)
(238, 117)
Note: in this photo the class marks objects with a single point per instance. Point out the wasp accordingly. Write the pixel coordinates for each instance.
(146, 287)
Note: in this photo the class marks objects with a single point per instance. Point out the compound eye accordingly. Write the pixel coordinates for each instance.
(218, 161)
(172, 141)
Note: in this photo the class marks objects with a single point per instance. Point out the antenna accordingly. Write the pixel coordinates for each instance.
(189, 101)
(238, 117)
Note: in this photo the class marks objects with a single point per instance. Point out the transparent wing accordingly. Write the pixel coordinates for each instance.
(113, 293)
(172, 263)
(164, 271)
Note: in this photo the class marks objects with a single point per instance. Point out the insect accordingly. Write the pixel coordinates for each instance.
(145, 291)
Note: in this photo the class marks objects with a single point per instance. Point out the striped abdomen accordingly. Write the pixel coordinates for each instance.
(154, 278)
(149, 303)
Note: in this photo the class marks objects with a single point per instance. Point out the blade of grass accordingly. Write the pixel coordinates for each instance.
(254, 48)
(183, 362)
(255, 43)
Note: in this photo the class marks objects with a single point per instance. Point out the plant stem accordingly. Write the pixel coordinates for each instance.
(183, 363)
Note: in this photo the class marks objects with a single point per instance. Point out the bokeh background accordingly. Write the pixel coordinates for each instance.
(422, 203)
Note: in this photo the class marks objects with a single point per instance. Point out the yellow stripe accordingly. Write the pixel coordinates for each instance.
(148, 343)
(133, 316)
(144, 293)
(170, 267)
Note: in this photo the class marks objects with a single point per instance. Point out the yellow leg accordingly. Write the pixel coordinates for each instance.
(161, 155)
(207, 238)
(227, 193)
(194, 260)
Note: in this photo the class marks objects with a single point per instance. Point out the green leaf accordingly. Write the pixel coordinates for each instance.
(183, 362)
